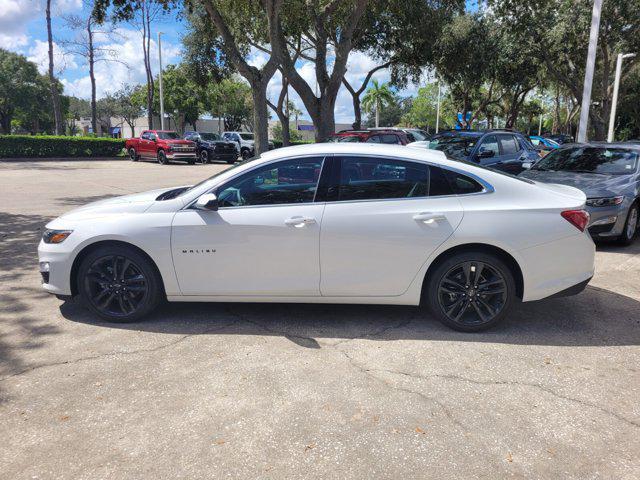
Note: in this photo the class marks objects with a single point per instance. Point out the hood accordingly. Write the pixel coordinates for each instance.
(178, 142)
(592, 184)
(134, 203)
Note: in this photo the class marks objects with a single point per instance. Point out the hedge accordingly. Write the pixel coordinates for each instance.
(31, 146)
(278, 143)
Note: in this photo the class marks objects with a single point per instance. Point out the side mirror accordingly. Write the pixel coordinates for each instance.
(486, 154)
(208, 201)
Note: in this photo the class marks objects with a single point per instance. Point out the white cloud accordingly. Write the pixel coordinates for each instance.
(14, 16)
(39, 54)
(129, 67)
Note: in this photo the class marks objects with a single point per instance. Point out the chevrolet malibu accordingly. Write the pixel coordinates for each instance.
(328, 223)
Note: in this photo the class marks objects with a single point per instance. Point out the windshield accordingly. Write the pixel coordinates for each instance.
(210, 136)
(609, 161)
(457, 146)
(419, 135)
(246, 136)
(168, 135)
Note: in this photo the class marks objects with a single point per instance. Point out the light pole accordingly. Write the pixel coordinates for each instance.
(588, 73)
(616, 87)
(438, 109)
(160, 79)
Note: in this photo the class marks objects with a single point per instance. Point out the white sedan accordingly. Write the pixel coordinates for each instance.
(328, 223)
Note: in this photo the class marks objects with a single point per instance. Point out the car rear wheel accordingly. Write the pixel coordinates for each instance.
(630, 226)
(133, 155)
(246, 154)
(118, 284)
(162, 158)
(470, 291)
(204, 156)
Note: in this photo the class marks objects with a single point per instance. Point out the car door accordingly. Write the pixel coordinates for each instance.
(144, 146)
(263, 239)
(488, 152)
(511, 154)
(382, 220)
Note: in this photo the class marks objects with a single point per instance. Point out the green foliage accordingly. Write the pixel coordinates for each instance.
(392, 114)
(230, 100)
(278, 143)
(294, 135)
(27, 146)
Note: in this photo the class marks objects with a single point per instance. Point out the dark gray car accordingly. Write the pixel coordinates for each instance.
(609, 174)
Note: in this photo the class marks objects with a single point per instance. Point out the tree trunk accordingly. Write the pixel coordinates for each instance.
(377, 113)
(146, 43)
(260, 116)
(94, 107)
(5, 122)
(357, 111)
(55, 95)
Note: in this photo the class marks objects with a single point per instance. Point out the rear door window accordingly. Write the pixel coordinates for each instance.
(509, 144)
(370, 178)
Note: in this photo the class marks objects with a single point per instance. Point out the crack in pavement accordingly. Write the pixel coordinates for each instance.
(499, 383)
(113, 354)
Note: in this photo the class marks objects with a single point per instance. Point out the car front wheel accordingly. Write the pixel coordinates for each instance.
(470, 291)
(204, 156)
(630, 226)
(118, 284)
(133, 155)
(246, 154)
(162, 158)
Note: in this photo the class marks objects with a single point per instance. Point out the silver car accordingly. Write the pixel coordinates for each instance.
(609, 174)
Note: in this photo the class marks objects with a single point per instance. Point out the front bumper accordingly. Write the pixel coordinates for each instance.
(59, 260)
(181, 155)
(607, 222)
(213, 155)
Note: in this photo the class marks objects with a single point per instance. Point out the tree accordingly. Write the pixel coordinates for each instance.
(423, 109)
(281, 107)
(129, 104)
(558, 31)
(53, 86)
(181, 97)
(78, 108)
(392, 113)
(377, 97)
(85, 45)
(230, 100)
(25, 95)
(324, 28)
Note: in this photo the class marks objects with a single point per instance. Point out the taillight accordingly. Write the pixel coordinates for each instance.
(577, 218)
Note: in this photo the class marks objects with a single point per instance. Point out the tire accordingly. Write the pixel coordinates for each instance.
(453, 300)
(630, 226)
(231, 161)
(246, 154)
(191, 161)
(204, 157)
(162, 158)
(119, 296)
(133, 155)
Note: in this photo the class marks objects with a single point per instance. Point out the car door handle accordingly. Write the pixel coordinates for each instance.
(299, 221)
(429, 217)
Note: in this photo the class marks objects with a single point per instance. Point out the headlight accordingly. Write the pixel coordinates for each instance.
(55, 236)
(605, 201)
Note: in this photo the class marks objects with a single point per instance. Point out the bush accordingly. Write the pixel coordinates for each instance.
(29, 146)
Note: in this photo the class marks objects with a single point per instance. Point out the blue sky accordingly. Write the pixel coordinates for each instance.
(23, 30)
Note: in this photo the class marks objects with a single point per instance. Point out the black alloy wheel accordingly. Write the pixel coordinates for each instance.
(133, 155)
(246, 154)
(471, 291)
(118, 284)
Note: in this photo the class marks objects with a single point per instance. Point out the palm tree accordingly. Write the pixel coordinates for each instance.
(376, 97)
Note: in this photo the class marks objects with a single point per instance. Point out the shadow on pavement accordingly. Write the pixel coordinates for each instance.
(596, 317)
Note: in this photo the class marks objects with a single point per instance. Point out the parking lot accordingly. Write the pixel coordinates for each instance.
(302, 391)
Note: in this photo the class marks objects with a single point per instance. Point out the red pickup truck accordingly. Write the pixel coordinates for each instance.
(162, 146)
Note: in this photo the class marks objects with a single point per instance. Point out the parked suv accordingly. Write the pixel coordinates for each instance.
(211, 146)
(387, 136)
(500, 149)
(413, 134)
(162, 146)
(245, 142)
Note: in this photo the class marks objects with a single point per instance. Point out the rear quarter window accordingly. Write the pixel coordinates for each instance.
(462, 184)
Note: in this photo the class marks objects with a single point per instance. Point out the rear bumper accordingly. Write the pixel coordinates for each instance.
(559, 266)
(574, 290)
